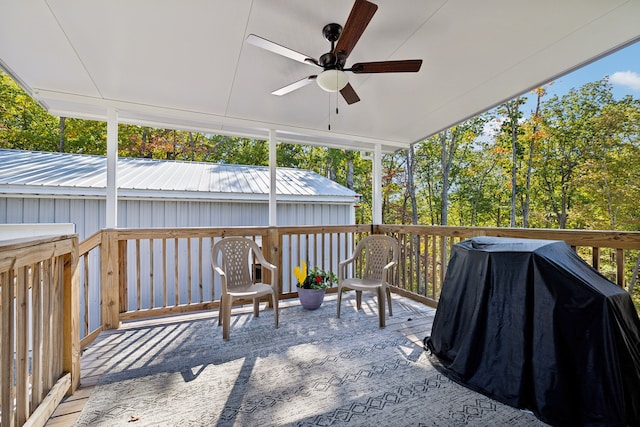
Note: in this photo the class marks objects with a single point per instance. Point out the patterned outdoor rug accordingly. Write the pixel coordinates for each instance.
(315, 370)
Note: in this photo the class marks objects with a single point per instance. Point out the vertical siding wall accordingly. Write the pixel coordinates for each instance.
(89, 214)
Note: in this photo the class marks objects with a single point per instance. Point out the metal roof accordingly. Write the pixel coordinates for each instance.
(55, 174)
(192, 68)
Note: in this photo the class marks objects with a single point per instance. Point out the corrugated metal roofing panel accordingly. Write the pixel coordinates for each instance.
(61, 173)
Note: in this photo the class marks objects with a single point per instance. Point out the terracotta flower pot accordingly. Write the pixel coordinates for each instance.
(310, 298)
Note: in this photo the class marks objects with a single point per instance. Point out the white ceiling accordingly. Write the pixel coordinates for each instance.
(186, 64)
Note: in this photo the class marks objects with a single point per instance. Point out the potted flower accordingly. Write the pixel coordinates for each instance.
(312, 285)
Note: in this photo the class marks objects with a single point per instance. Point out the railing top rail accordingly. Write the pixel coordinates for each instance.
(311, 229)
(181, 232)
(90, 243)
(7, 245)
(593, 238)
(22, 252)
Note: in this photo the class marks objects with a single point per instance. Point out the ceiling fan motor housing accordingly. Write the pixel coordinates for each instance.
(329, 61)
(331, 32)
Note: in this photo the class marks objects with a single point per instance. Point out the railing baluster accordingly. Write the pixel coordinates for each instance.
(138, 277)
(620, 267)
(47, 315)
(595, 258)
(200, 270)
(86, 308)
(6, 357)
(164, 272)
(37, 392)
(152, 275)
(189, 278)
(176, 263)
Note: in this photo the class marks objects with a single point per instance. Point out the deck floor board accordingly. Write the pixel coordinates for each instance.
(95, 359)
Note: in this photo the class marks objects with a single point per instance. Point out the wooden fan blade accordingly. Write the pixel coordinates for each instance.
(406, 66)
(349, 94)
(360, 16)
(294, 86)
(280, 50)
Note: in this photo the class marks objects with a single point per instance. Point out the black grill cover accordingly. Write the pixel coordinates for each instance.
(530, 324)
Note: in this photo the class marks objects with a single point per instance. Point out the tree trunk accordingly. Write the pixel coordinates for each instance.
(192, 147)
(444, 208)
(143, 144)
(534, 135)
(411, 188)
(61, 132)
(350, 169)
(513, 108)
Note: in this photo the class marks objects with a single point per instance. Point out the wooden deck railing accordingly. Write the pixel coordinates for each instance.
(68, 293)
(40, 359)
(142, 273)
(425, 252)
(130, 274)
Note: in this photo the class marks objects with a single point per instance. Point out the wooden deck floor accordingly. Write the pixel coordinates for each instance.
(93, 361)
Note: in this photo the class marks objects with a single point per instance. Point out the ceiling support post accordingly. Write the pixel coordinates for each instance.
(273, 221)
(112, 168)
(376, 185)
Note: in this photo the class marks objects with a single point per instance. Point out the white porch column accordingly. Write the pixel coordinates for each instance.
(376, 185)
(273, 221)
(112, 170)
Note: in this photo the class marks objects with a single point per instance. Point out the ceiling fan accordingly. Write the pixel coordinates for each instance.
(333, 77)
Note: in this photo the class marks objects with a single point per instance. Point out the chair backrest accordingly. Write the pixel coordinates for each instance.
(374, 253)
(234, 256)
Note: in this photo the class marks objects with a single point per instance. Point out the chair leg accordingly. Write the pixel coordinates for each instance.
(274, 297)
(227, 318)
(221, 311)
(339, 301)
(381, 307)
(358, 299)
(256, 307)
(389, 301)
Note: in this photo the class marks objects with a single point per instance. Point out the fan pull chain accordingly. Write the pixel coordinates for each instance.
(337, 111)
(337, 92)
(329, 111)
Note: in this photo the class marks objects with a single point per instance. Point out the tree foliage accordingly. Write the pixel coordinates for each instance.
(573, 163)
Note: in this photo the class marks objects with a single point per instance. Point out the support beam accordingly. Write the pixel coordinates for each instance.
(112, 168)
(376, 185)
(273, 220)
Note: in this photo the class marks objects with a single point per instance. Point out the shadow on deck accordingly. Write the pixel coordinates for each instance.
(314, 370)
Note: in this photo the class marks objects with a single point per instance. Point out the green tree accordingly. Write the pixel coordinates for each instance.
(532, 134)
(24, 125)
(512, 131)
(610, 176)
(568, 123)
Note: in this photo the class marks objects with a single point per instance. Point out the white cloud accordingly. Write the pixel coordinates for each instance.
(630, 79)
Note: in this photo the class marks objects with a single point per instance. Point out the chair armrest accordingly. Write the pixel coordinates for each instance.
(349, 260)
(269, 266)
(223, 278)
(219, 271)
(388, 267)
(342, 266)
(262, 260)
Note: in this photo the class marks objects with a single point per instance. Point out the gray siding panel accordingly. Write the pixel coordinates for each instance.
(89, 214)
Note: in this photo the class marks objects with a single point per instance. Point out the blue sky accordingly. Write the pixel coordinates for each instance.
(622, 67)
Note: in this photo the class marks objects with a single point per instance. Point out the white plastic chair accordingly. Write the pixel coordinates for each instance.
(373, 258)
(233, 259)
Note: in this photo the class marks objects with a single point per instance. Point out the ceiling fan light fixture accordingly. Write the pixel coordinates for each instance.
(332, 80)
